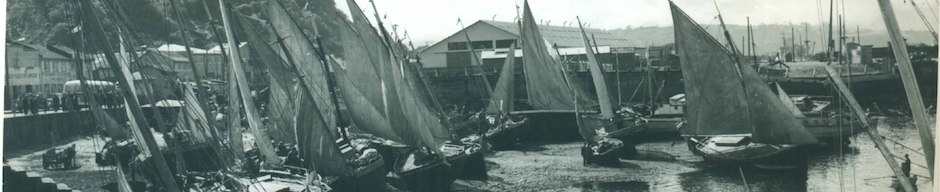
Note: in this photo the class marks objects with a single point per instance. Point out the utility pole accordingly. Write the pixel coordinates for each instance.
(792, 43)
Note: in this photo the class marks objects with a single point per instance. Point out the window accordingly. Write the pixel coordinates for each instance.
(456, 46)
(477, 45)
(504, 43)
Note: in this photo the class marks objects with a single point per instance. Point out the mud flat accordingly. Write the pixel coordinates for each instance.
(558, 167)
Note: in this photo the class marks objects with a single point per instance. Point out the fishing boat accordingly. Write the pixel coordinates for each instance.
(556, 104)
(662, 119)
(309, 110)
(392, 106)
(821, 117)
(818, 114)
(731, 115)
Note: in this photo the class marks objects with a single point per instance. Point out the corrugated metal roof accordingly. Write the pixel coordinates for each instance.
(568, 36)
(179, 48)
(43, 51)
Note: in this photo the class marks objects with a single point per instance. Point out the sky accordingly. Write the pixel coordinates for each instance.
(428, 21)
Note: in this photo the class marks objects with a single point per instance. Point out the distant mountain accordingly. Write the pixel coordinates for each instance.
(769, 38)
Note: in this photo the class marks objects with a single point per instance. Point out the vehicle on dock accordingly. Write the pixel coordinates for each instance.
(59, 159)
(731, 115)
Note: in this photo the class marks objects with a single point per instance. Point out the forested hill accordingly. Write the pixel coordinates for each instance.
(769, 38)
(47, 22)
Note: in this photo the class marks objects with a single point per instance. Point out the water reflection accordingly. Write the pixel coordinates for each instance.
(725, 178)
(626, 186)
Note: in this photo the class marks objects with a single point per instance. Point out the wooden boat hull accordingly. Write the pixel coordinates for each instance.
(828, 129)
(662, 125)
(368, 178)
(436, 176)
(745, 152)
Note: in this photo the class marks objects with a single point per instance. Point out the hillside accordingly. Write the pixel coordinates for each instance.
(47, 22)
(769, 37)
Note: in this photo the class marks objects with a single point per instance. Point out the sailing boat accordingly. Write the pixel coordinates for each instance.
(502, 101)
(384, 97)
(732, 116)
(554, 97)
(322, 149)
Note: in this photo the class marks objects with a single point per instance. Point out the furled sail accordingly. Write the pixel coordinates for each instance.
(546, 82)
(597, 75)
(503, 93)
(725, 97)
(306, 58)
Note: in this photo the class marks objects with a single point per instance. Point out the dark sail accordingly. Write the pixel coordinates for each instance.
(362, 67)
(281, 83)
(317, 145)
(546, 82)
(503, 93)
(399, 107)
(726, 97)
(307, 61)
(361, 111)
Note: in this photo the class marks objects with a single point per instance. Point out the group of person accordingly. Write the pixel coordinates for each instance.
(33, 103)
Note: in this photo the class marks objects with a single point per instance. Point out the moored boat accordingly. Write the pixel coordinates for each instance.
(731, 115)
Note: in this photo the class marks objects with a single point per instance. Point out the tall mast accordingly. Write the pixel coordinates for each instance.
(793, 43)
(473, 54)
(910, 82)
(734, 51)
(872, 132)
(831, 43)
(752, 44)
(649, 75)
(254, 122)
(200, 90)
(330, 83)
(926, 22)
(218, 36)
(163, 170)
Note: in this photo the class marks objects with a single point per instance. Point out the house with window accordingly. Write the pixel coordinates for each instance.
(491, 40)
(36, 68)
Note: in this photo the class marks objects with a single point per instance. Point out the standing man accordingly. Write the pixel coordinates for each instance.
(906, 166)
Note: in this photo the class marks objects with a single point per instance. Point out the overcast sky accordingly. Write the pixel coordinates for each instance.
(428, 21)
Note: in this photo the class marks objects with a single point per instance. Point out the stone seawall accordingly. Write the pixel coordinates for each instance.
(26, 131)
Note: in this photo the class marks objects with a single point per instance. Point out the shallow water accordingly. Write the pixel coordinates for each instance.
(857, 166)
